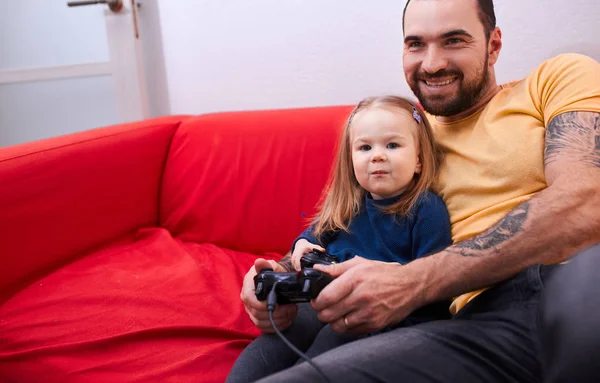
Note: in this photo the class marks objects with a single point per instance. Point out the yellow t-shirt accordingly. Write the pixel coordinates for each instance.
(494, 159)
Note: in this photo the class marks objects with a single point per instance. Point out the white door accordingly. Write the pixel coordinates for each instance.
(68, 67)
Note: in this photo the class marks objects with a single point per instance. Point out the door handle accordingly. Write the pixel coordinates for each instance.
(113, 5)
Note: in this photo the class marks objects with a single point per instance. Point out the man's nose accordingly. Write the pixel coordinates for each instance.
(434, 60)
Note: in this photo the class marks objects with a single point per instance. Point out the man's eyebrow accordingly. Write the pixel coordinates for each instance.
(455, 32)
(412, 38)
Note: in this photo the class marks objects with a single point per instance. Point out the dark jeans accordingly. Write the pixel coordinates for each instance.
(268, 354)
(541, 325)
(570, 321)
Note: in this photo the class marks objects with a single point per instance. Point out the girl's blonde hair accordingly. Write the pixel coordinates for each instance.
(344, 197)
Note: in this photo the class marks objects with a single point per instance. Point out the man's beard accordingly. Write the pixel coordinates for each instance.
(468, 94)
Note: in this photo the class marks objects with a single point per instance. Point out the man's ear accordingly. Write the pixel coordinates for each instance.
(494, 46)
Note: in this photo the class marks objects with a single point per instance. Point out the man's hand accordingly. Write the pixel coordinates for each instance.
(257, 310)
(368, 295)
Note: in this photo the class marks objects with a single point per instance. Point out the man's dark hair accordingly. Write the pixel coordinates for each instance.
(485, 11)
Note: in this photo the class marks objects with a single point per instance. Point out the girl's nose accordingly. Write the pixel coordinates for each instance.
(378, 157)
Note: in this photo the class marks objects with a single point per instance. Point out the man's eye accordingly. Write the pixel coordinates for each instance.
(393, 145)
(454, 41)
(415, 44)
(364, 148)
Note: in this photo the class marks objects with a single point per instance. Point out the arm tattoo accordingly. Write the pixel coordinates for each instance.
(286, 262)
(504, 230)
(575, 135)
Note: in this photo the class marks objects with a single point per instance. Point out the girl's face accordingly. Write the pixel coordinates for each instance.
(385, 150)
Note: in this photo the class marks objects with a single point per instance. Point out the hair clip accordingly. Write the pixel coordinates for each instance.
(416, 115)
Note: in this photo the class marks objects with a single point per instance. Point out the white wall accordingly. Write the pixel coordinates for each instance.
(535, 30)
(239, 54)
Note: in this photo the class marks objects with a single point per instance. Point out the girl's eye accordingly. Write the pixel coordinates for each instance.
(393, 145)
(364, 148)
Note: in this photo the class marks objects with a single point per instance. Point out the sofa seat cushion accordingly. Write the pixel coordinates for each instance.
(154, 309)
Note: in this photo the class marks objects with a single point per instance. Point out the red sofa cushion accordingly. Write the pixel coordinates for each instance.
(249, 180)
(62, 197)
(148, 309)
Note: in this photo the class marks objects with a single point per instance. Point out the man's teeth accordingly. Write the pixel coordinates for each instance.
(442, 83)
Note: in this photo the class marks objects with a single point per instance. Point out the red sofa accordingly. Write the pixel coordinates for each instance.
(123, 248)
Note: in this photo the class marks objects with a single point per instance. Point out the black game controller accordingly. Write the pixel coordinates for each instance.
(294, 287)
(317, 257)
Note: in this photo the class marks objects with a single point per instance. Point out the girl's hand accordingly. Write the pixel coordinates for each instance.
(302, 248)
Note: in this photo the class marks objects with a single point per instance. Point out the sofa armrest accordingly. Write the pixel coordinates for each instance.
(67, 195)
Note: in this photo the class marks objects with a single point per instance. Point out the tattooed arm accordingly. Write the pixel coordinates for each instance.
(549, 228)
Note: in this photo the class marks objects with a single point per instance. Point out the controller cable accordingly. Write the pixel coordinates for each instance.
(271, 303)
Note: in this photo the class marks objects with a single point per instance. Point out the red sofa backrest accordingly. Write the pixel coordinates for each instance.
(67, 195)
(249, 180)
